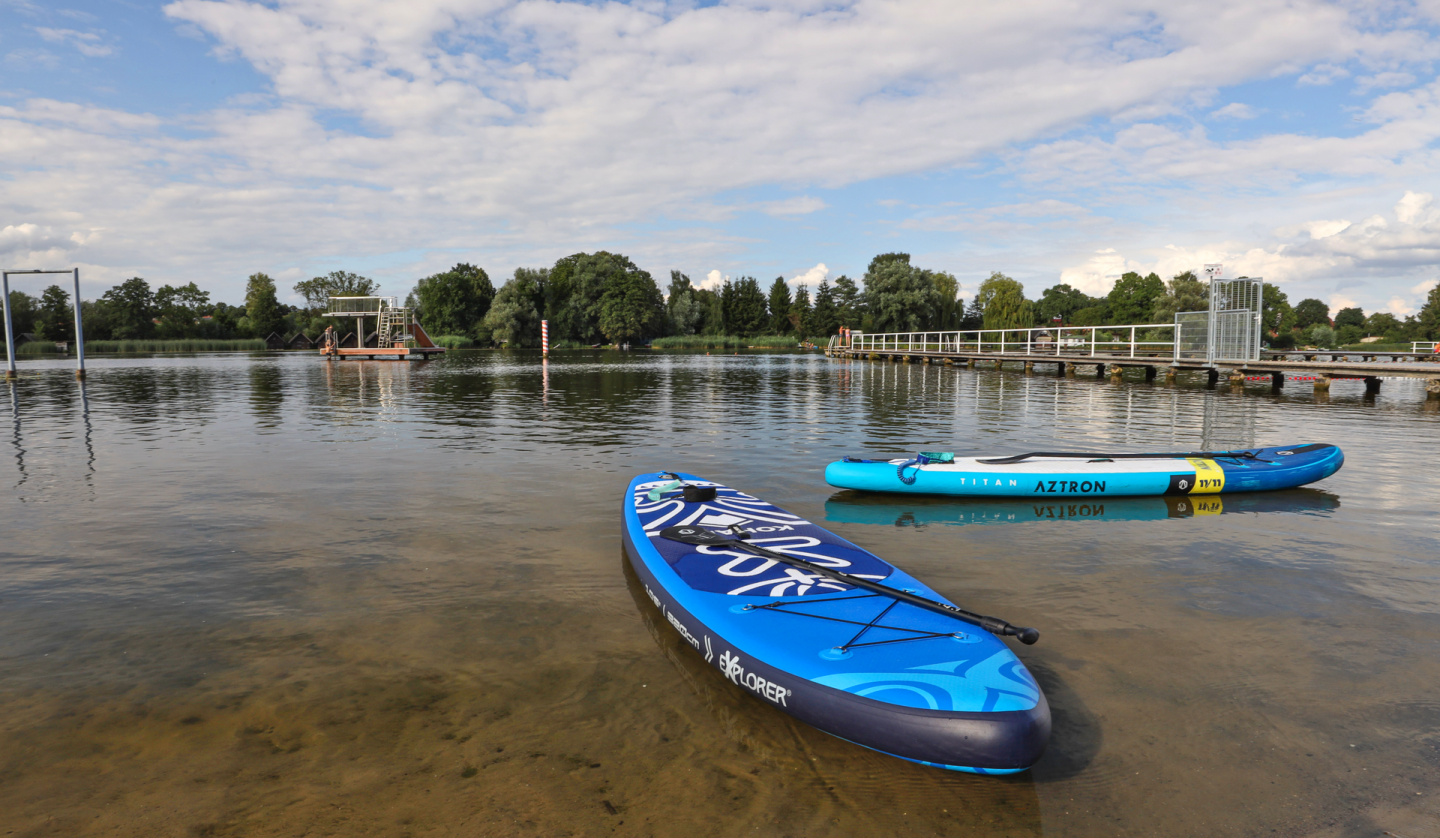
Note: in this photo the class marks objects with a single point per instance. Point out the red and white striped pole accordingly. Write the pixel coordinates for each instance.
(545, 337)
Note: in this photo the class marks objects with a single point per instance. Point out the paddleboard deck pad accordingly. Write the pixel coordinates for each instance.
(862, 666)
(1091, 475)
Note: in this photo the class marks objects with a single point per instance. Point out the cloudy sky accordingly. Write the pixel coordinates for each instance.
(1053, 140)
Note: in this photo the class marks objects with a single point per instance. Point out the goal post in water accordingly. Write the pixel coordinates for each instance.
(10, 326)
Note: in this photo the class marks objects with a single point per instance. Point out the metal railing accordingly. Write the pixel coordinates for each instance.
(360, 306)
(1137, 341)
(1424, 346)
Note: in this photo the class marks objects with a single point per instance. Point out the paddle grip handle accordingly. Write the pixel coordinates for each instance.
(995, 625)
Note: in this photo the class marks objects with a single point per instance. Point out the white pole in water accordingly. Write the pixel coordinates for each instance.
(544, 337)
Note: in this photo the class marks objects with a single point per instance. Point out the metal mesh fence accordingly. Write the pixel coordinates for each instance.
(1192, 334)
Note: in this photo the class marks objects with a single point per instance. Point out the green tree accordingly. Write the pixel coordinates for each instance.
(849, 303)
(1184, 292)
(455, 302)
(130, 307)
(743, 304)
(180, 309)
(1061, 301)
(779, 304)
(1003, 302)
(1132, 299)
(631, 307)
(950, 309)
(1322, 336)
(318, 291)
(899, 297)
(801, 317)
(580, 282)
(24, 310)
(824, 320)
(1384, 324)
(513, 319)
(1350, 317)
(1428, 321)
(262, 308)
(1276, 315)
(713, 320)
(1310, 312)
(55, 319)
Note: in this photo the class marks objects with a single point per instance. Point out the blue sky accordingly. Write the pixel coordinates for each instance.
(206, 140)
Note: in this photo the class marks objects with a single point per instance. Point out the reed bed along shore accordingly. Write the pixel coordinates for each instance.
(726, 342)
(46, 348)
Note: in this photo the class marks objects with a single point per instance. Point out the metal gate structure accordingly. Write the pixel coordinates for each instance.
(1230, 330)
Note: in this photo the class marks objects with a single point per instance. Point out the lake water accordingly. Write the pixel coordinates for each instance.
(270, 595)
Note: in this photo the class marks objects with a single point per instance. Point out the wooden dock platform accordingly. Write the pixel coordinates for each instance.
(1275, 366)
(399, 353)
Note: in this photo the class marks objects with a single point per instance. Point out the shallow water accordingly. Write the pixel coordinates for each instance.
(270, 595)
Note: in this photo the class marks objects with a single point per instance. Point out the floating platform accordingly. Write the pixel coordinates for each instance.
(399, 353)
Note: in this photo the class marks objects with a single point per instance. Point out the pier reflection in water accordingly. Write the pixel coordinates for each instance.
(269, 595)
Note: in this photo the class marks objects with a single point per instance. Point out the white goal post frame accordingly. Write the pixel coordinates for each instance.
(10, 328)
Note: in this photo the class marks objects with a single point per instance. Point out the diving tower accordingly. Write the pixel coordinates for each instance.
(397, 333)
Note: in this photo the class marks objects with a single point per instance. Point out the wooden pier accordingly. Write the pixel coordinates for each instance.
(1116, 357)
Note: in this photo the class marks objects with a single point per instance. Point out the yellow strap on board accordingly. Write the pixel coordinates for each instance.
(1209, 476)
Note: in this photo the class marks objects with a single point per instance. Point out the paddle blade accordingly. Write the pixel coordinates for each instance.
(695, 535)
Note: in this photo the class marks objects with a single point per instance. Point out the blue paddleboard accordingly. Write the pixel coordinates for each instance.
(1057, 475)
(891, 676)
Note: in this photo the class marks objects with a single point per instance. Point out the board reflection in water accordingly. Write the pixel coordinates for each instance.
(868, 508)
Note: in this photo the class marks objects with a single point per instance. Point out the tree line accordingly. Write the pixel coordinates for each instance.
(602, 297)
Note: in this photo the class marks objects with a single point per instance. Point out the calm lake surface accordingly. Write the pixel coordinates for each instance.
(270, 595)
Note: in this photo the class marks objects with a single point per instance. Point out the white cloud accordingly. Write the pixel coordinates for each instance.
(1331, 259)
(1235, 110)
(1400, 307)
(712, 281)
(799, 205)
(810, 278)
(515, 131)
(1365, 84)
(1323, 74)
(88, 43)
(1097, 275)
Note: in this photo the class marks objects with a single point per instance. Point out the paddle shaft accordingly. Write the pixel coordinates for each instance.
(994, 625)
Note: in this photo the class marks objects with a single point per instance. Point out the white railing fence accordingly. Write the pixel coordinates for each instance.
(1152, 340)
(1424, 346)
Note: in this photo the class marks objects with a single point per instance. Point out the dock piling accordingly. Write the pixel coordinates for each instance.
(1372, 384)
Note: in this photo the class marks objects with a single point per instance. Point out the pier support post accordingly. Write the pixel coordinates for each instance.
(1150, 374)
(1277, 380)
(1099, 370)
(1212, 377)
(1322, 382)
(1060, 368)
(1372, 384)
(1170, 374)
(1029, 367)
(1432, 389)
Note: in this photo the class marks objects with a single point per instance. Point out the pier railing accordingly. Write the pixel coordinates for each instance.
(1149, 340)
(1424, 346)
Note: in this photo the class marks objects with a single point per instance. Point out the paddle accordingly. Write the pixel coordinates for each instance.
(1205, 455)
(709, 538)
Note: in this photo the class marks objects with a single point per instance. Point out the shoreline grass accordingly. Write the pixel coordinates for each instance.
(726, 342)
(45, 348)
